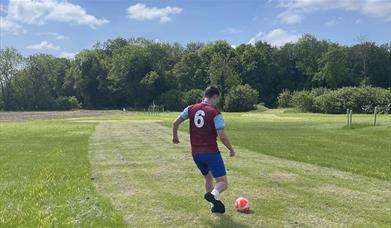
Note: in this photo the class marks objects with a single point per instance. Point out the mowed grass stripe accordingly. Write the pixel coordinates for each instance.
(155, 183)
(45, 177)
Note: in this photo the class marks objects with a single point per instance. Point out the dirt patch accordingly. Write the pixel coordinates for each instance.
(22, 116)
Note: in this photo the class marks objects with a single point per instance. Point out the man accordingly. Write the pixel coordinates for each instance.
(206, 122)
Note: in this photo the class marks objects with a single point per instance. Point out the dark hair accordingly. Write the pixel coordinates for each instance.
(211, 91)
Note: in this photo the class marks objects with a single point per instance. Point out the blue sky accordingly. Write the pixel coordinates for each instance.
(63, 28)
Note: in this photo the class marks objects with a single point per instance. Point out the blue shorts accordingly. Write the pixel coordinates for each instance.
(212, 162)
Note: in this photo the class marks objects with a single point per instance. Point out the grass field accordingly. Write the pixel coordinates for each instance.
(122, 170)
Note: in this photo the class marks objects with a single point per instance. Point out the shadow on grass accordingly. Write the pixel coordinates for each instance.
(224, 221)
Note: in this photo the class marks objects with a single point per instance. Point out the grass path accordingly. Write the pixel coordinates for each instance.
(155, 183)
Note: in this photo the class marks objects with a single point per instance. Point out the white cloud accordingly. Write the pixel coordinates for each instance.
(290, 18)
(331, 23)
(54, 34)
(277, 37)
(142, 13)
(296, 9)
(39, 12)
(44, 45)
(231, 30)
(11, 27)
(68, 55)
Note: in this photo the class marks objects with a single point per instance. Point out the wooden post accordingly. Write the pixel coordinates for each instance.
(347, 117)
(350, 118)
(375, 116)
(153, 107)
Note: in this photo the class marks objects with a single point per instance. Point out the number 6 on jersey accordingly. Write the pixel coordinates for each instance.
(199, 118)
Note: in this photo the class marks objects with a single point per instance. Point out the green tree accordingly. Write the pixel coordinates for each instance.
(193, 96)
(308, 51)
(334, 71)
(171, 100)
(90, 79)
(191, 72)
(371, 64)
(222, 74)
(257, 69)
(35, 86)
(10, 62)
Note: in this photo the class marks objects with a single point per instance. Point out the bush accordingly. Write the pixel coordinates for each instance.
(303, 101)
(192, 96)
(386, 108)
(329, 103)
(285, 99)
(358, 99)
(241, 98)
(66, 103)
(367, 98)
(172, 100)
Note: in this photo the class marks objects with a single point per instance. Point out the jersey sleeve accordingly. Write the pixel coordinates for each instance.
(185, 114)
(219, 122)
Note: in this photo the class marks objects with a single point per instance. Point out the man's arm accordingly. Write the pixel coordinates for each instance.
(175, 126)
(219, 124)
(224, 139)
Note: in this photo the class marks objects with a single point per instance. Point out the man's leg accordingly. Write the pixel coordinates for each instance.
(214, 196)
(221, 186)
(217, 168)
(209, 182)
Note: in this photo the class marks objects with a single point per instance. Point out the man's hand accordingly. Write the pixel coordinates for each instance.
(232, 153)
(225, 141)
(175, 140)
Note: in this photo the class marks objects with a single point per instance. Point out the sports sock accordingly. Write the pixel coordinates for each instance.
(216, 194)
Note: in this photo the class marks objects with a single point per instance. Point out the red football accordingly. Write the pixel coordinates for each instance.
(242, 204)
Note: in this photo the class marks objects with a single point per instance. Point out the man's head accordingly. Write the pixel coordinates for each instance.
(212, 93)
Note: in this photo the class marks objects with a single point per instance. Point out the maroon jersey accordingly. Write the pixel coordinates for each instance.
(203, 133)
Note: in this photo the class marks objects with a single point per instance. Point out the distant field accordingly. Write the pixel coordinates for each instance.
(121, 170)
(22, 116)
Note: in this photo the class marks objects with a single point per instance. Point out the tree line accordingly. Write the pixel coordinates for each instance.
(134, 73)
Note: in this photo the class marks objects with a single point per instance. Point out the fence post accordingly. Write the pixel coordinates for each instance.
(347, 117)
(350, 118)
(375, 116)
